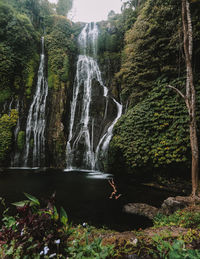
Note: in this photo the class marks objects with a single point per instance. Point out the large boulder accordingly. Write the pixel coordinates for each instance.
(169, 206)
(141, 209)
(172, 204)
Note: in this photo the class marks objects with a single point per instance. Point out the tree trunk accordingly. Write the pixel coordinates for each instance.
(195, 157)
(190, 97)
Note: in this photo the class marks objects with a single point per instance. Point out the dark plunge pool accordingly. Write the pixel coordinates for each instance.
(84, 195)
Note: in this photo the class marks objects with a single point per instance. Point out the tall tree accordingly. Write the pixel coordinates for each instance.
(64, 6)
(190, 94)
(131, 3)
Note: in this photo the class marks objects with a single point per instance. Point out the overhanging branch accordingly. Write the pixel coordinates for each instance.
(178, 91)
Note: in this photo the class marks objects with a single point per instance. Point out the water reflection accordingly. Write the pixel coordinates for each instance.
(91, 173)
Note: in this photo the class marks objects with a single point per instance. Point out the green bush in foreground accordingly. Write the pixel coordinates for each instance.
(36, 232)
(176, 250)
(180, 218)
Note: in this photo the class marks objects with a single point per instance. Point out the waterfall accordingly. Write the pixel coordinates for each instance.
(34, 153)
(90, 127)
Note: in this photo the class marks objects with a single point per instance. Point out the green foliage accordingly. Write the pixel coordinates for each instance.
(7, 122)
(36, 232)
(53, 80)
(33, 199)
(5, 94)
(6, 64)
(154, 133)
(63, 7)
(17, 29)
(60, 47)
(34, 9)
(21, 140)
(17, 51)
(81, 248)
(176, 250)
(151, 51)
(111, 37)
(185, 219)
(63, 216)
(30, 71)
(108, 40)
(66, 69)
(127, 19)
(110, 62)
(109, 46)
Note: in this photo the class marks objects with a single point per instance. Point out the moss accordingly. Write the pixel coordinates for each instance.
(30, 71)
(60, 46)
(150, 51)
(31, 142)
(7, 122)
(18, 43)
(17, 82)
(65, 70)
(5, 94)
(53, 80)
(21, 140)
(153, 134)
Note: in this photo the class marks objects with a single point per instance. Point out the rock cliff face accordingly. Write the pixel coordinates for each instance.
(55, 133)
(137, 59)
(45, 115)
(110, 44)
(61, 52)
(96, 110)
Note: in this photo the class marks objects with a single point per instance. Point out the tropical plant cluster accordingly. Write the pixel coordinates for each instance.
(37, 231)
(153, 132)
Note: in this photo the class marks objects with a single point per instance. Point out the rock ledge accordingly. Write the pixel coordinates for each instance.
(169, 206)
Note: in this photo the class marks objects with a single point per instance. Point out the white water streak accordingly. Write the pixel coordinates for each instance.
(87, 70)
(36, 120)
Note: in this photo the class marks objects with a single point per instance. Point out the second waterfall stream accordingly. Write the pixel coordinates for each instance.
(34, 155)
(93, 111)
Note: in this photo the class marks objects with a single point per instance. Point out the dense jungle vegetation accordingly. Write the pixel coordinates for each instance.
(140, 52)
(153, 133)
(22, 24)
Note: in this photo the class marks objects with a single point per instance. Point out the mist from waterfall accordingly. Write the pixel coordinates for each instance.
(87, 140)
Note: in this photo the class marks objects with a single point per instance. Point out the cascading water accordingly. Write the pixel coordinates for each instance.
(90, 127)
(34, 153)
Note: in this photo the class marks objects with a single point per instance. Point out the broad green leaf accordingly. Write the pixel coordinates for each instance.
(21, 203)
(32, 198)
(55, 212)
(63, 216)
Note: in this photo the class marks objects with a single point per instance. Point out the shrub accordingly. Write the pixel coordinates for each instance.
(42, 232)
(7, 122)
(180, 218)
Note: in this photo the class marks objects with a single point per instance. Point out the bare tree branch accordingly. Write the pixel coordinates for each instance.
(178, 91)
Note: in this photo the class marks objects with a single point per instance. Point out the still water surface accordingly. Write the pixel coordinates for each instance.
(84, 195)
